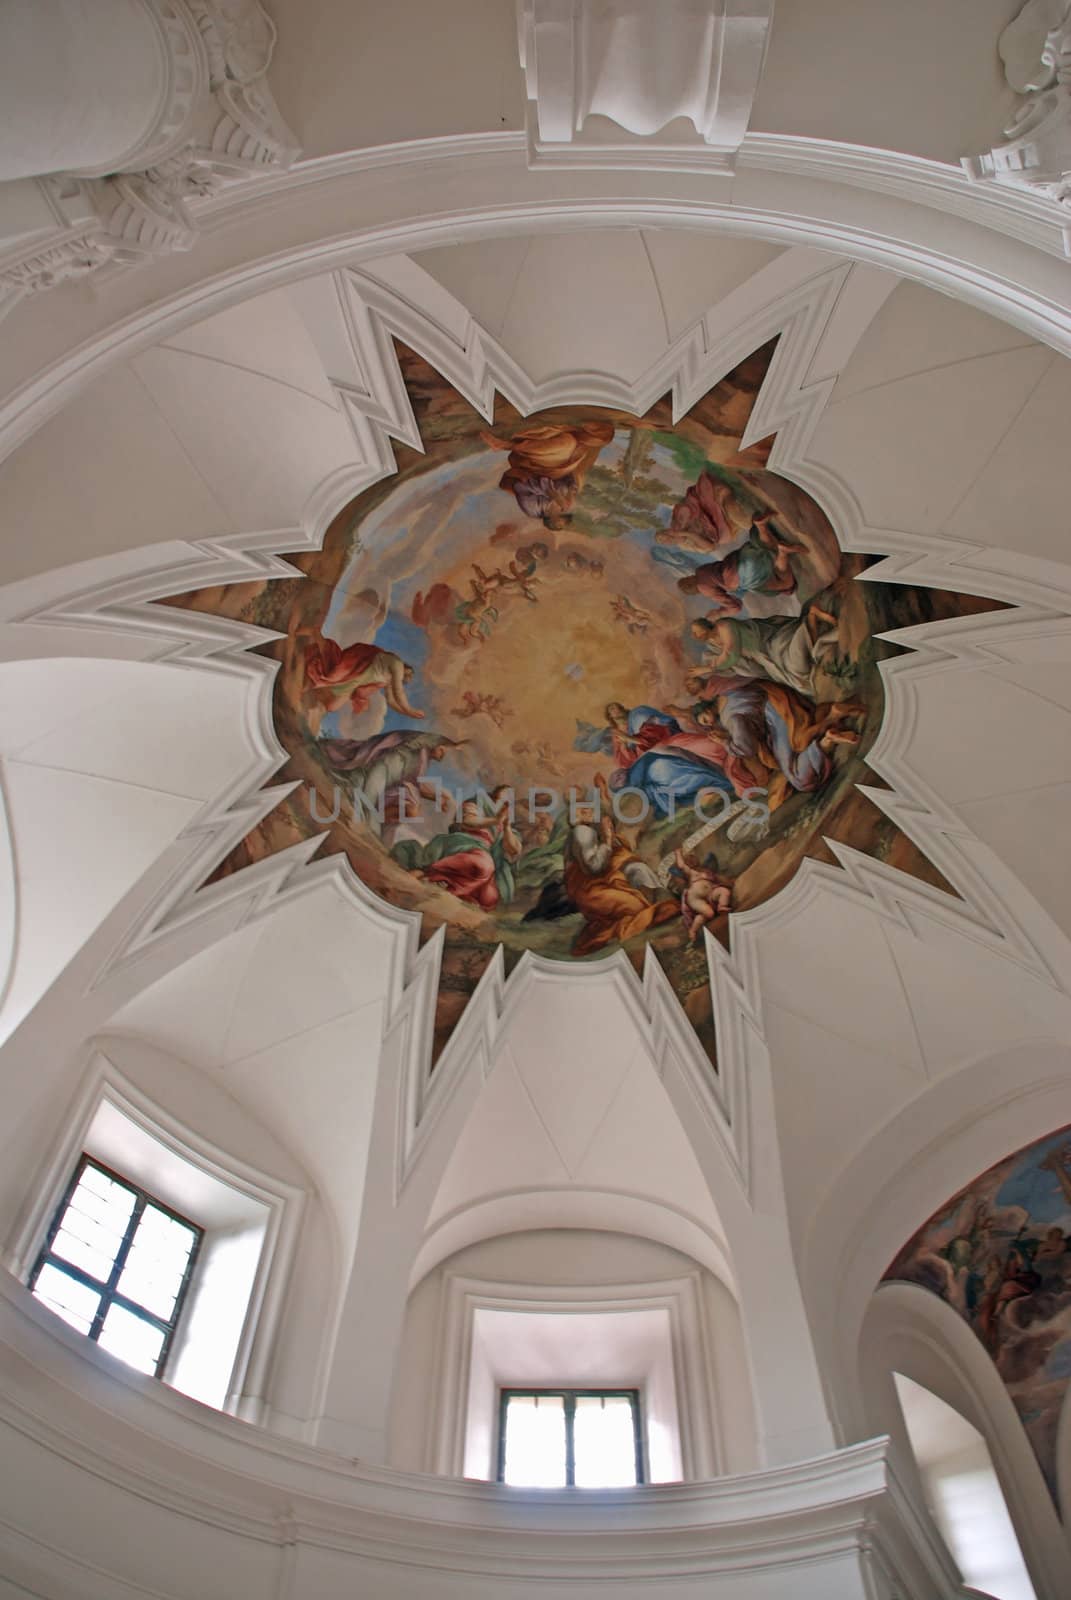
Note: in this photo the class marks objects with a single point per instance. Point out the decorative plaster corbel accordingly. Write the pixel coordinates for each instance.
(644, 70)
(1036, 51)
(226, 129)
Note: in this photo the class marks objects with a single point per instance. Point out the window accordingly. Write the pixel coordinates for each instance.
(570, 1438)
(116, 1265)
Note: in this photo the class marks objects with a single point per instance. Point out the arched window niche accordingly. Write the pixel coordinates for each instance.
(930, 1384)
(250, 1220)
(575, 1308)
(963, 1493)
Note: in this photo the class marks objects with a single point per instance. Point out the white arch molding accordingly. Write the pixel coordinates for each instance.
(920, 219)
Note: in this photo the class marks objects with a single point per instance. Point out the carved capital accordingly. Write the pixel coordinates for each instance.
(241, 130)
(628, 83)
(220, 125)
(69, 255)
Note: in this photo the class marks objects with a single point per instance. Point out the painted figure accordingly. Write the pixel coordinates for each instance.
(474, 704)
(355, 674)
(474, 859)
(762, 565)
(637, 619)
(548, 463)
(705, 895)
(672, 765)
(606, 881)
(390, 770)
(785, 650)
(709, 515)
(776, 729)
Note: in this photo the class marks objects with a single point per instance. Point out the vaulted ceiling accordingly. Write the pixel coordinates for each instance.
(906, 1037)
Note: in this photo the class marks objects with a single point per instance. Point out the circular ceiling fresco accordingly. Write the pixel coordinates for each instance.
(578, 681)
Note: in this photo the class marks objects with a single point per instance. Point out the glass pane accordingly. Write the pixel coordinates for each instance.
(93, 1224)
(152, 1274)
(67, 1297)
(535, 1441)
(128, 1336)
(604, 1442)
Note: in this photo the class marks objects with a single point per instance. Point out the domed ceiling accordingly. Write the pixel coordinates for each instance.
(578, 681)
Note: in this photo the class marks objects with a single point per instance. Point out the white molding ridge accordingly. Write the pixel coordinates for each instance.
(144, 1450)
(591, 59)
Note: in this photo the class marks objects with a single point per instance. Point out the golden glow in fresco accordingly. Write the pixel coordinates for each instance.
(628, 616)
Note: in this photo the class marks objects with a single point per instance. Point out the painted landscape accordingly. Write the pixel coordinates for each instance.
(578, 681)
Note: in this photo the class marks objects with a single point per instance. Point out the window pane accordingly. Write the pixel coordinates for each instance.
(94, 1223)
(153, 1272)
(604, 1442)
(67, 1297)
(135, 1341)
(535, 1441)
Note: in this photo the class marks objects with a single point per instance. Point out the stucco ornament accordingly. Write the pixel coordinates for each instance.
(228, 129)
(644, 70)
(1034, 44)
(1036, 51)
(239, 37)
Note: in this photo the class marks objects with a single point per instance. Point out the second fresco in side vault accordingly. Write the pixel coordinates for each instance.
(577, 682)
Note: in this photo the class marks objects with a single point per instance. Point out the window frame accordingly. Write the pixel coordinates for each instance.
(569, 1396)
(109, 1291)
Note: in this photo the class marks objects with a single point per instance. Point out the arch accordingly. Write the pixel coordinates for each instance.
(963, 1493)
(612, 1211)
(909, 1330)
(944, 1138)
(493, 193)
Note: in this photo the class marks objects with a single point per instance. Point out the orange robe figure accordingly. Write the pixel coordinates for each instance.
(548, 463)
(613, 908)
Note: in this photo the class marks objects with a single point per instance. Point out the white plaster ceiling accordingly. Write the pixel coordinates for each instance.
(941, 422)
(573, 1103)
(224, 428)
(287, 1016)
(103, 764)
(557, 302)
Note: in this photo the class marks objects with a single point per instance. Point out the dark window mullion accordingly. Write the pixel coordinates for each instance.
(569, 1401)
(68, 1268)
(160, 1323)
(171, 1327)
(57, 1221)
(569, 1397)
(108, 1297)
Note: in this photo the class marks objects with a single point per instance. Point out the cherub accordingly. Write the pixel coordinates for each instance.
(576, 562)
(706, 894)
(544, 754)
(491, 705)
(476, 618)
(519, 579)
(635, 618)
